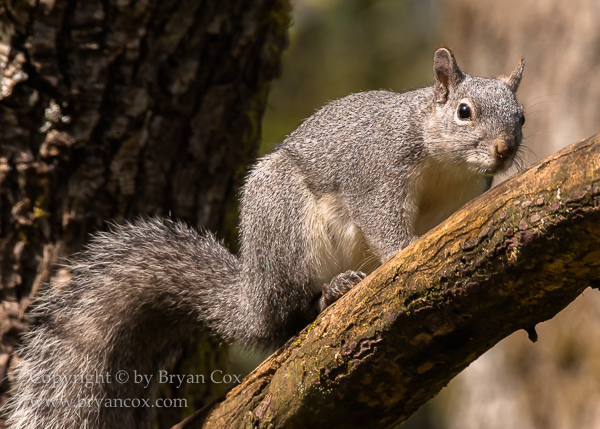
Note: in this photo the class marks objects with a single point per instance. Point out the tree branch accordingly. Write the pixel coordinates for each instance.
(508, 260)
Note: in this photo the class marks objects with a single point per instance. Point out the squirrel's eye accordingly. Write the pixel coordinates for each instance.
(522, 120)
(464, 112)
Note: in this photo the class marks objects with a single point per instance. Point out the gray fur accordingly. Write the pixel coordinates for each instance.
(354, 184)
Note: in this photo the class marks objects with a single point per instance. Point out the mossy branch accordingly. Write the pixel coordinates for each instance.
(508, 260)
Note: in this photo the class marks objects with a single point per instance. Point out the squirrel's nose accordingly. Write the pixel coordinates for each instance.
(505, 148)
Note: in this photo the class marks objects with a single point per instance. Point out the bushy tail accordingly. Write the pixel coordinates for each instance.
(130, 300)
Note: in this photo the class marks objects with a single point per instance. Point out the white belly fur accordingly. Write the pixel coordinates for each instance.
(336, 244)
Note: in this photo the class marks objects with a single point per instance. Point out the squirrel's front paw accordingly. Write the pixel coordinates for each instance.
(338, 286)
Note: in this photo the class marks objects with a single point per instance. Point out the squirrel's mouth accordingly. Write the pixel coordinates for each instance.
(504, 149)
(490, 164)
(499, 165)
(500, 154)
(503, 164)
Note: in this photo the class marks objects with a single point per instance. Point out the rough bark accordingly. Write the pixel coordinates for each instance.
(508, 260)
(110, 109)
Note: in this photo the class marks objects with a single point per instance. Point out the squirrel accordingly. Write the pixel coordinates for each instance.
(354, 184)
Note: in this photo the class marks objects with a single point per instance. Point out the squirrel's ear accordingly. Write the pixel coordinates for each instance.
(514, 79)
(446, 73)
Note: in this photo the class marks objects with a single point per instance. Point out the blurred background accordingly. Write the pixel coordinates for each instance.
(342, 46)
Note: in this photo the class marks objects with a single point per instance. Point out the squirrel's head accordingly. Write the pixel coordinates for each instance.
(475, 122)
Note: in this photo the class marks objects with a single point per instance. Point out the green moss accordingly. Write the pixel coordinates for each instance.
(23, 237)
(39, 213)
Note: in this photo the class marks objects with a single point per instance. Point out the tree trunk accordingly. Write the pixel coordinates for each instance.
(111, 109)
(508, 260)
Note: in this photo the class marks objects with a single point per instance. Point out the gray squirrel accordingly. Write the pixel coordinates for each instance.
(355, 183)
